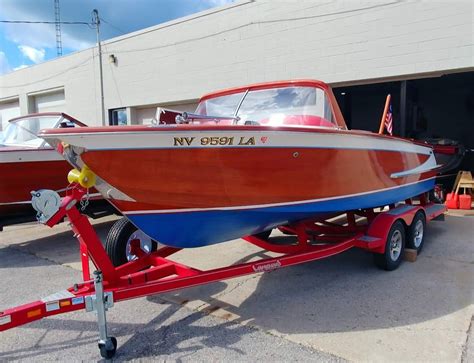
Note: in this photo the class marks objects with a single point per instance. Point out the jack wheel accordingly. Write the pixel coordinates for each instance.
(119, 240)
(108, 349)
(416, 232)
(394, 247)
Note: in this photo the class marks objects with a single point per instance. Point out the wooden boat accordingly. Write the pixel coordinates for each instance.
(28, 163)
(250, 159)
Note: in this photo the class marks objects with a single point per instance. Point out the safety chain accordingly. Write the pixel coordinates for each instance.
(85, 201)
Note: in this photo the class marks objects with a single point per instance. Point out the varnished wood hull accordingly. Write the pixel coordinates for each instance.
(22, 172)
(184, 192)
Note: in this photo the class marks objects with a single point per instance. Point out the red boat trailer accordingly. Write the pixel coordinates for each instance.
(154, 273)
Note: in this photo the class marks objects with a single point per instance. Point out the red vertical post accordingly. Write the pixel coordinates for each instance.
(86, 274)
(86, 235)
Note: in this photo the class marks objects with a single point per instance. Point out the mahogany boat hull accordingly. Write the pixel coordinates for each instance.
(23, 170)
(186, 192)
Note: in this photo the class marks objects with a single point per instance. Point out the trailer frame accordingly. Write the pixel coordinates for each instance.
(155, 273)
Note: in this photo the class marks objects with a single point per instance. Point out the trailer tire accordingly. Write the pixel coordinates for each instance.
(416, 232)
(394, 247)
(265, 235)
(117, 244)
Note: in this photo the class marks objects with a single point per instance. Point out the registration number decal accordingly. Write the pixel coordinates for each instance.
(215, 141)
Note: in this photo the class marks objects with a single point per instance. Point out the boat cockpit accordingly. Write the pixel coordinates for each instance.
(281, 105)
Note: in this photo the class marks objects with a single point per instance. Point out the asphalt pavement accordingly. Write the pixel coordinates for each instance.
(150, 328)
(340, 308)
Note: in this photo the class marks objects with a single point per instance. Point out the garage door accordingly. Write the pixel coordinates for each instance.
(50, 102)
(8, 110)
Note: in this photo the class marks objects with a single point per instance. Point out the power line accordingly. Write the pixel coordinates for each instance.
(245, 25)
(113, 26)
(184, 20)
(44, 22)
(51, 76)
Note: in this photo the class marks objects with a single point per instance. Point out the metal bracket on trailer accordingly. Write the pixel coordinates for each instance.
(91, 301)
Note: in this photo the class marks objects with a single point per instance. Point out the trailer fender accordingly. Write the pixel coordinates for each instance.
(380, 226)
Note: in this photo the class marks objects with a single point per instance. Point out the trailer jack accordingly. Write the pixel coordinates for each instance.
(101, 302)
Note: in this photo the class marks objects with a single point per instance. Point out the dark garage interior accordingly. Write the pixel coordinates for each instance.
(437, 107)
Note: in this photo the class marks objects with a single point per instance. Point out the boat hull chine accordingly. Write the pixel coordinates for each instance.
(200, 228)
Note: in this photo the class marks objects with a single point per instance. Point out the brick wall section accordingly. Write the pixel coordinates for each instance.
(262, 40)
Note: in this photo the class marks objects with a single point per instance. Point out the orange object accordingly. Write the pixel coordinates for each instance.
(465, 201)
(33, 313)
(452, 201)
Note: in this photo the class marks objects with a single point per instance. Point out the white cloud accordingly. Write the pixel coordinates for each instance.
(20, 67)
(129, 16)
(219, 2)
(43, 35)
(33, 54)
(4, 65)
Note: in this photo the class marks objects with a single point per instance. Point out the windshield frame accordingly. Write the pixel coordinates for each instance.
(17, 123)
(338, 118)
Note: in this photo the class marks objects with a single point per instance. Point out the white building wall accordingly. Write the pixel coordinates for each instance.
(8, 110)
(340, 42)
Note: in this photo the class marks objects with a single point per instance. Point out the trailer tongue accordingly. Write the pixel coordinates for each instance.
(153, 273)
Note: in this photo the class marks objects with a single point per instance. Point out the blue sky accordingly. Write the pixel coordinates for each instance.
(22, 45)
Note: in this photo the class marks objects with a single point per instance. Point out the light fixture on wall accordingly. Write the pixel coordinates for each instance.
(112, 59)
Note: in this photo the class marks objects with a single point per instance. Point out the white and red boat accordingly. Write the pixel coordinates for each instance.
(250, 159)
(28, 163)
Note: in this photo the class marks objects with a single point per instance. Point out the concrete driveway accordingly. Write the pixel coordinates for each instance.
(341, 308)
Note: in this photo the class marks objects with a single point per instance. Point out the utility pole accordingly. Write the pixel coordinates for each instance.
(57, 21)
(96, 21)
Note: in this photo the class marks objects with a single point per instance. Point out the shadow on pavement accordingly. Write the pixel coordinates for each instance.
(62, 245)
(172, 331)
(348, 293)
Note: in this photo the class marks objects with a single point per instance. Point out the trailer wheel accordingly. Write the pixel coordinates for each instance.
(265, 235)
(394, 246)
(416, 232)
(119, 238)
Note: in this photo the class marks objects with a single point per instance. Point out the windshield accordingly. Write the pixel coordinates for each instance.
(23, 132)
(220, 106)
(273, 106)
